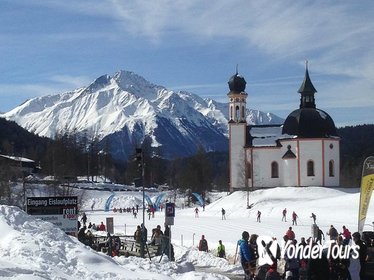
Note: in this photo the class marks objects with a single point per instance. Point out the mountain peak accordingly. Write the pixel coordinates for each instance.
(127, 80)
(99, 83)
(124, 109)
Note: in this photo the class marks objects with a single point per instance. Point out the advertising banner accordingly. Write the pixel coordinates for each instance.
(367, 186)
(60, 211)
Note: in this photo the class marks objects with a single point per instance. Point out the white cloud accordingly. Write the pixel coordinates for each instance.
(336, 37)
(72, 82)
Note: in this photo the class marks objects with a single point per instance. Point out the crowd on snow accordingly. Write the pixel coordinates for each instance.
(112, 244)
(298, 267)
(326, 267)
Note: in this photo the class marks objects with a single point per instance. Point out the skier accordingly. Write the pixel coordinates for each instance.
(221, 250)
(294, 217)
(223, 214)
(196, 212)
(284, 213)
(259, 216)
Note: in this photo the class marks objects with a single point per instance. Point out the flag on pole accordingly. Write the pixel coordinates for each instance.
(367, 186)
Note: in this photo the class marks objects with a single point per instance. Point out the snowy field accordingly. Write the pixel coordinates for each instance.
(33, 249)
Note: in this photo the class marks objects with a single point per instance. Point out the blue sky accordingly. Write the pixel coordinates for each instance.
(49, 47)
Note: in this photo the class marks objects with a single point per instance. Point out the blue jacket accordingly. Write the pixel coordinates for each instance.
(245, 253)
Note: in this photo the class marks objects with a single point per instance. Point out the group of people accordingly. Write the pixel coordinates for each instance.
(294, 216)
(158, 238)
(203, 246)
(297, 267)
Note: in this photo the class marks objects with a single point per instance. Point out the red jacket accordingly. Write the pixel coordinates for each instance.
(102, 227)
(290, 234)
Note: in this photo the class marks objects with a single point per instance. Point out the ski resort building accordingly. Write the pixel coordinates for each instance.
(303, 151)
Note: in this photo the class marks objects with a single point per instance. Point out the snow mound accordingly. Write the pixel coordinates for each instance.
(34, 249)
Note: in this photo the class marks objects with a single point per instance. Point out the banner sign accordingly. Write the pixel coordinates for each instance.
(367, 186)
(60, 211)
(170, 209)
(169, 214)
(110, 225)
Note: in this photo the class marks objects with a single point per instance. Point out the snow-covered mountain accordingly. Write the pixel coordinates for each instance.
(124, 109)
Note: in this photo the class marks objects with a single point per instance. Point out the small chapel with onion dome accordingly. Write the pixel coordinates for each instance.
(303, 151)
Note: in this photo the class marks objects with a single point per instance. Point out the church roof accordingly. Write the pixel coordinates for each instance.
(265, 135)
(307, 85)
(308, 121)
(237, 84)
(289, 154)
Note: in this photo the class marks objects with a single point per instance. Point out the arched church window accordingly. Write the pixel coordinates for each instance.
(310, 168)
(249, 170)
(274, 170)
(237, 113)
(231, 113)
(243, 112)
(331, 168)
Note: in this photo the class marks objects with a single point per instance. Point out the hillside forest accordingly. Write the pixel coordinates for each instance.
(70, 156)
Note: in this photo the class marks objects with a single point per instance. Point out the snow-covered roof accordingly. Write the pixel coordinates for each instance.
(19, 159)
(266, 135)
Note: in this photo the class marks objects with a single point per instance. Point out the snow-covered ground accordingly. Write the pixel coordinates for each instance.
(33, 249)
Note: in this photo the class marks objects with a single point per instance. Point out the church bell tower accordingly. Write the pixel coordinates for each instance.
(237, 131)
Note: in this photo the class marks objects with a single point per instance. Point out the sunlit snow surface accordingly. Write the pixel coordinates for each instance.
(33, 249)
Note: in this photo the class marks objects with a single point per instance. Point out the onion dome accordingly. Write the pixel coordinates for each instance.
(237, 84)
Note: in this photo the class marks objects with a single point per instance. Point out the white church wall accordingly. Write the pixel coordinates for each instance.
(237, 156)
(290, 173)
(262, 159)
(289, 166)
(331, 150)
(249, 160)
(311, 149)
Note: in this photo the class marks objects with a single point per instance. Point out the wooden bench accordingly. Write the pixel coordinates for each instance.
(132, 248)
(128, 247)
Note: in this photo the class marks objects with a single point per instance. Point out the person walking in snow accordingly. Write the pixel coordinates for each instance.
(223, 214)
(294, 218)
(203, 244)
(284, 213)
(259, 216)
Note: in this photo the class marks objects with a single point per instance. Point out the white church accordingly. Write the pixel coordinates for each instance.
(304, 151)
